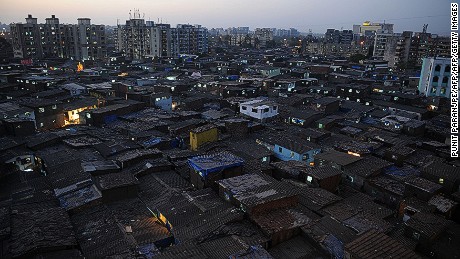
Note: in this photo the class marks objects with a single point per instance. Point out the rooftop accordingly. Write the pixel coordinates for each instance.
(339, 158)
(374, 244)
(214, 162)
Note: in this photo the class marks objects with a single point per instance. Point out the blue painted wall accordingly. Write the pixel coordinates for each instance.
(285, 154)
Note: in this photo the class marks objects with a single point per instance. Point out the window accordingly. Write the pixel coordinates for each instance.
(41, 110)
(244, 108)
(292, 154)
(54, 107)
(443, 90)
(447, 69)
(305, 157)
(445, 80)
(254, 110)
(227, 196)
(266, 109)
(441, 180)
(349, 178)
(309, 178)
(275, 107)
(416, 235)
(437, 68)
(280, 149)
(435, 79)
(433, 90)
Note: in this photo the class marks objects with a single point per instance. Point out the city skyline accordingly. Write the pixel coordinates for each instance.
(274, 14)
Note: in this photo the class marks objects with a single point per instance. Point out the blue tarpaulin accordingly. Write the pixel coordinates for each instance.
(402, 171)
(151, 142)
(334, 246)
(110, 118)
(207, 164)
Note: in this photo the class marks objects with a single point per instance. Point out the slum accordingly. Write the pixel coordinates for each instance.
(267, 158)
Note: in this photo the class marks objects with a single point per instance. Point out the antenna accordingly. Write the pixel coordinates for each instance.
(425, 27)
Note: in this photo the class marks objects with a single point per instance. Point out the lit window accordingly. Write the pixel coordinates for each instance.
(441, 181)
(54, 107)
(349, 178)
(309, 178)
(41, 110)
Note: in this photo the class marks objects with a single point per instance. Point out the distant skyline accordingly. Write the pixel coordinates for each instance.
(317, 15)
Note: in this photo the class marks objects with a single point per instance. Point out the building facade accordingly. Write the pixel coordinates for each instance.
(82, 41)
(397, 49)
(435, 77)
(262, 37)
(134, 38)
(139, 39)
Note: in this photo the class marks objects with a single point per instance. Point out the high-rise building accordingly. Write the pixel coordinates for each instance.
(332, 36)
(139, 39)
(380, 42)
(89, 39)
(397, 49)
(369, 28)
(26, 39)
(82, 41)
(160, 43)
(134, 38)
(190, 39)
(336, 36)
(435, 77)
(425, 44)
(262, 37)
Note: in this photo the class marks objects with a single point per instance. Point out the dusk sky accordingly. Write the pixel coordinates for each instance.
(317, 15)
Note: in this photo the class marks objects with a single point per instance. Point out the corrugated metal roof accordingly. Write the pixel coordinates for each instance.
(374, 244)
